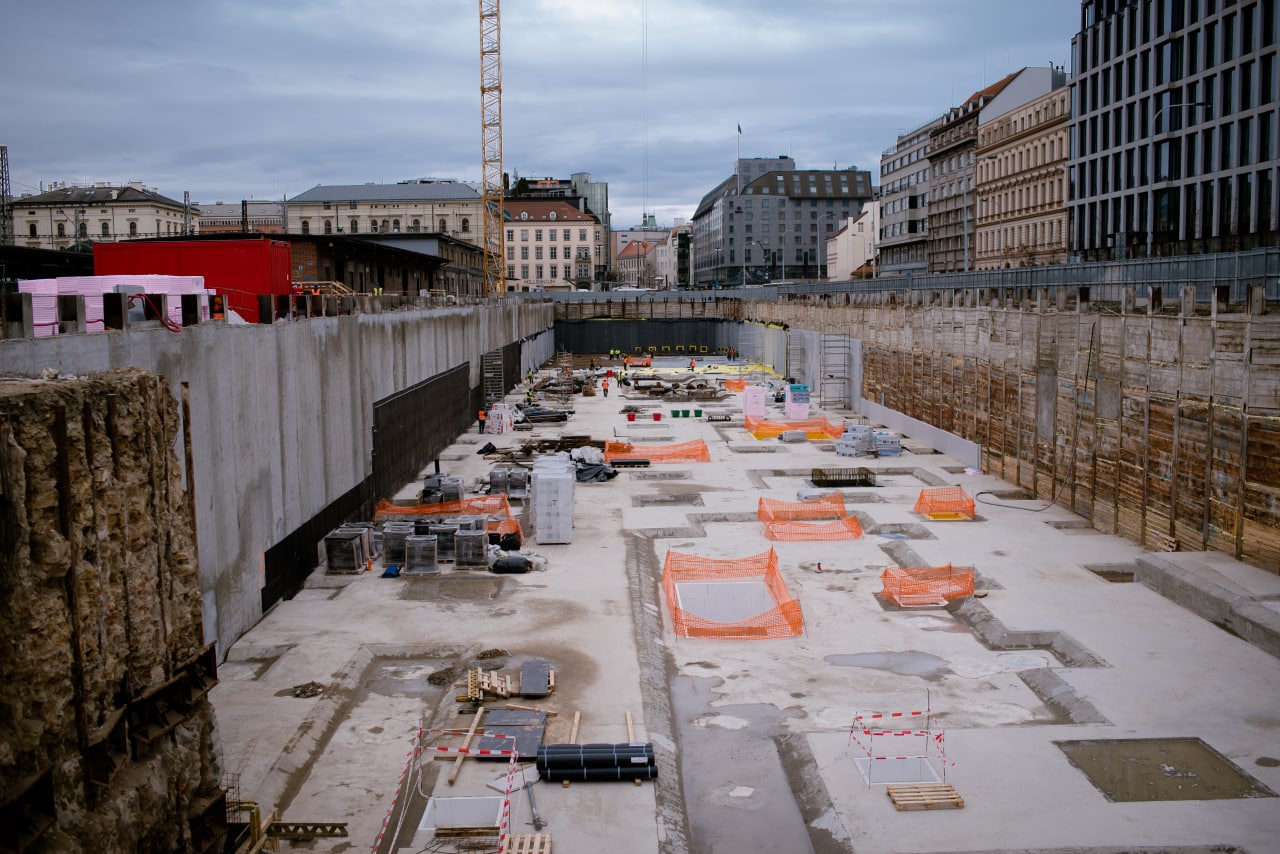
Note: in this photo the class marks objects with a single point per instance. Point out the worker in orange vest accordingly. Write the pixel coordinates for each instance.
(606, 387)
(693, 363)
(480, 418)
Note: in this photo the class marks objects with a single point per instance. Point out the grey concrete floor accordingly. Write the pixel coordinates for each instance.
(753, 737)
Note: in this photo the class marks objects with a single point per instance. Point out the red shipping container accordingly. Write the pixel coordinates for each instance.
(240, 270)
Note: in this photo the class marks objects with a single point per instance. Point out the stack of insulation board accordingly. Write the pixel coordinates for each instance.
(500, 419)
(887, 444)
(552, 486)
(393, 537)
(420, 555)
(855, 441)
(755, 401)
(45, 292)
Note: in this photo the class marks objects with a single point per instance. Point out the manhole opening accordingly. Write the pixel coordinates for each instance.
(1161, 769)
(1069, 524)
(686, 499)
(1116, 573)
(825, 477)
(1010, 494)
(904, 530)
(660, 475)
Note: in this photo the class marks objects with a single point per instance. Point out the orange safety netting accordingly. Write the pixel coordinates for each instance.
(945, 502)
(496, 507)
(795, 532)
(814, 428)
(735, 385)
(681, 452)
(926, 585)
(776, 510)
(784, 620)
(794, 521)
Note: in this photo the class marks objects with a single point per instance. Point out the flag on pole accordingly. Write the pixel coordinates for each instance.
(739, 130)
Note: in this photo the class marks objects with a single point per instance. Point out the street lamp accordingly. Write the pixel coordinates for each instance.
(768, 257)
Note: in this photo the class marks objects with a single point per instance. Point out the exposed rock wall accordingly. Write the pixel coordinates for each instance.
(106, 737)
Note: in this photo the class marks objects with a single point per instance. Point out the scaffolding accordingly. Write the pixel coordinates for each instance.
(833, 389)
(492, 376)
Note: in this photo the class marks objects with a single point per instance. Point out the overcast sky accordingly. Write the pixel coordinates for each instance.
(261, 99)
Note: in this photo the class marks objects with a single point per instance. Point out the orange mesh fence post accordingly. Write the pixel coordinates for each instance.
(945, 502)
(926, 585)
(783, 620)
(681, 452)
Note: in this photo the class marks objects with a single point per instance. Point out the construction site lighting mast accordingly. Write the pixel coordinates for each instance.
(491, 143)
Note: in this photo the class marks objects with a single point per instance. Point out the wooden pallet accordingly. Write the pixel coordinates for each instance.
(528, 843)
(481, 683)
(925, 796)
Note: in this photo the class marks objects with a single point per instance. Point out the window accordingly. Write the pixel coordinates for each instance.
(551, 234)
(511, 235)
(106, 230)
(328, 226)
(327, 205)
(355, 225)
(466, 225)
(351, 205)
(511, 272)
(524, 271)
(567, 233)
(511, 253)
(537, 234)
(62, 229)
(524, 234)
(567, 271)
(553, 252)
(133, 229)
(537, 254)
(524, 253)
(386, 227)
(373, 226)
(31, 230)
(538, 272)
(395, 226)
(443, 225)
(417, 225)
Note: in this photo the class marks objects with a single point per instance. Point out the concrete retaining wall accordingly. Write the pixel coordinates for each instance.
(279, 417)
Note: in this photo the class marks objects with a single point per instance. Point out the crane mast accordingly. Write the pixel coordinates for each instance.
(491, 145)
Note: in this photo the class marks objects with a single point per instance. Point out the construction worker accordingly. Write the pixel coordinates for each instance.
(693, 363)
(606, 386)
(480, 418)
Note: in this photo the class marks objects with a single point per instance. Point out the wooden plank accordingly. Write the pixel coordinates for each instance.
(631, 732)
(471, 731)
(573, 733)
(924, 796)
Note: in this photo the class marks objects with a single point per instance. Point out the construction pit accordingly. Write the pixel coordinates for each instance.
(767, 743)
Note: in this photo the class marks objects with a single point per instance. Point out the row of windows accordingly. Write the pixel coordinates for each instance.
(911, 179)
(104, 229)
(582, 255)
(1026, 156)
(1056, 107)
(1213, 208)
(1229, 146)
(387, 226)
(1034, 235)
(1017, 200)
(584, 271)
(551, 234)
(1234, 34)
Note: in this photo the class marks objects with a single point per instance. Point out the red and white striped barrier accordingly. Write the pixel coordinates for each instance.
(504, 825)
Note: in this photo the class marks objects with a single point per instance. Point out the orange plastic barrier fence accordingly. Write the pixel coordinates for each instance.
(794, 532)
(784, 620)
(483, 505)
(776, 510)
(735, 385)
(927, 585)
(814, 428)
(681, 452)
(945, 502)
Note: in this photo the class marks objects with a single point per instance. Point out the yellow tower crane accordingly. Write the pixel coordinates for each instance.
(491, 145)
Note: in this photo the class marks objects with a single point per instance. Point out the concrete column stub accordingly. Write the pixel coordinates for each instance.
(1188, 301)
(1257, 300)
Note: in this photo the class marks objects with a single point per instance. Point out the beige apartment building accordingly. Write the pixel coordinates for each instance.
(550, 244)
(451, 208)
(1022, 155)
(66, 214)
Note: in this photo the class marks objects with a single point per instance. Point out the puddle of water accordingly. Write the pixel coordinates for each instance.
(404, 678)
(1161, 769)
(910, 663)
(736, 791)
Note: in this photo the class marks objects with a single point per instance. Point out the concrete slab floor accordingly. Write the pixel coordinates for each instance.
(753, 737)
